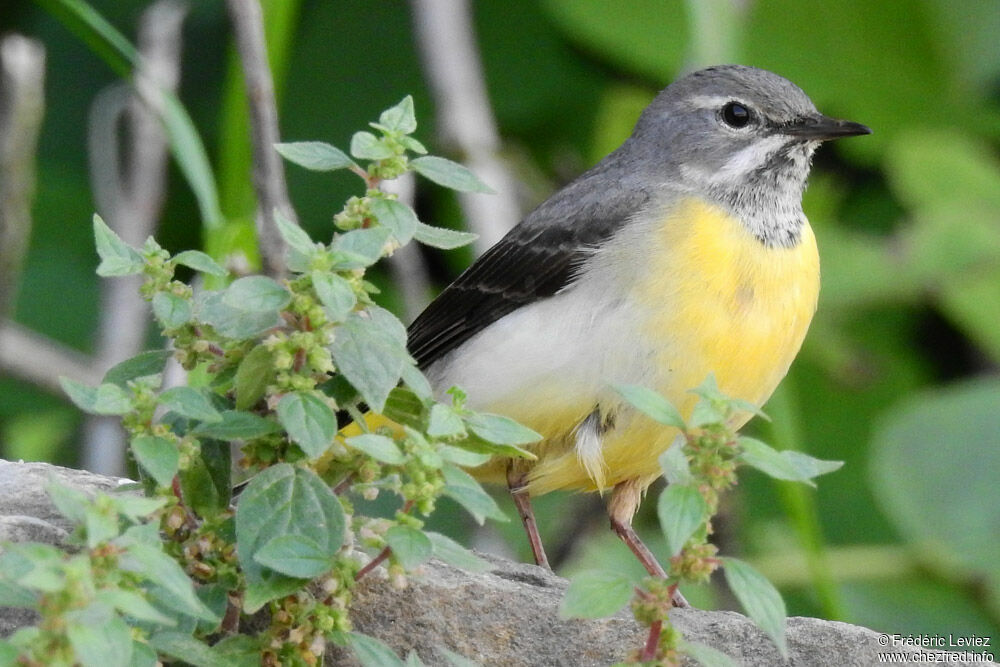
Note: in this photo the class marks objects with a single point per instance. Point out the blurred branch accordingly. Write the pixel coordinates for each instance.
(40, 361)
(446, 40)
(130, 198)
(268, 170)
(408, 270)
(22, 103)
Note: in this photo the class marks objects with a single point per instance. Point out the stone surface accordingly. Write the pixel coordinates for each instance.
(507, 615)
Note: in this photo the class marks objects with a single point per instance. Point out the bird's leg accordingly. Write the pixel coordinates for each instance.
(515, 482)
(624, 502)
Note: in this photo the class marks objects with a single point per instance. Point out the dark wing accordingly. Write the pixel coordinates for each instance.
(536, 259)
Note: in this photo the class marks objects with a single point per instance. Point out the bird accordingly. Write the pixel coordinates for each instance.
(683, 253)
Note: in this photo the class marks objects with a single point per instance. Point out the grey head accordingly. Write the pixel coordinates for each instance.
(740, 137)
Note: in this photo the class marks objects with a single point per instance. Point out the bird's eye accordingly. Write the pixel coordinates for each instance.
(735, 115)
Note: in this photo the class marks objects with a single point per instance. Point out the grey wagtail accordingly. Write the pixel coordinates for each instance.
(684, 252)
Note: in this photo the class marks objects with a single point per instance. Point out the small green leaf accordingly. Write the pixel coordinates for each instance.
(191, 403)
(449, 174)
(254, 373)
(256, 294)
(682, 510)
(199, 261)
(467, 492)
(788, 465)
(296, 237)
(182, 646)
(310, 422)
(404, 407)
(398, 218)
(409, 545)
(117, 257)
(99, 637)
(596, 594)
(415, 380)
(759, 598)
(370, 652)
(370, 351)
(500, 430)
(157, 456)
(360, 248)
(445, 422)
(141, 365)
(456, 659)
(237, 425)
(453, 553)
(439, 237)
(652, 404)
(232, 321)
(105, 399)
(379, 447)
(171, 310)
(366, 146)
(135, 507)
(463, 457)
(151, 563)
(674, 462)
(705, 655)
(314, 155)
(133, 604)
(295, 556)
(399, 118)
(335, 293)
(72, 503)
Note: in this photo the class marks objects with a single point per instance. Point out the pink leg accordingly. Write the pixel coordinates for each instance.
(515, 481)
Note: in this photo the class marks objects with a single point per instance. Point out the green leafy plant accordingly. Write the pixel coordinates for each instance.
(699, 467)
(269, 365)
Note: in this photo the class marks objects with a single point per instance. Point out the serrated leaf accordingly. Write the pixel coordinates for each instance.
(439, 237)
(254, 373)
(149, 562)
(237, 425)
(705, 655)
(651, 404)
(444, 422)
(467, 492)
(199, 261)
(453, 553)
(283, 500)
(256, 294)
(449, 174)
(141, 365)
(157, 456)
(596, 594)
(370, 652)
(105, 399)
(191, 403)
(674, 462)
(314, 155)
(117, 257)
(359, 248)
(399, 118)
(409, 545)
(788, 465)
(232, 321)
(681, 510)
(171, 310)
(500, 430)
(295, 556)
(370, 351)
(310, 422)
(379, 447)
(396, 217)
(335, 293)
(760, 600)
(366, 146)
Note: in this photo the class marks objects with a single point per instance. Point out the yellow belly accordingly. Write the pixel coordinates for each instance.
(713, 300)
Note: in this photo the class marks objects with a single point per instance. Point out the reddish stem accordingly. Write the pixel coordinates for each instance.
(652, 642)
(373, 563)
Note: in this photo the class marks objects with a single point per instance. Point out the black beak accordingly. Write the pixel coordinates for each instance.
(823, 128)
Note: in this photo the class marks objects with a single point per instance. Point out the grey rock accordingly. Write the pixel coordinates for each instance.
(507, 615)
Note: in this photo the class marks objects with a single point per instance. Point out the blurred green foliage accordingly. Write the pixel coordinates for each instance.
(908, 222)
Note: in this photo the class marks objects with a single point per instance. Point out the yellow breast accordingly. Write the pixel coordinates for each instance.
(713, 299)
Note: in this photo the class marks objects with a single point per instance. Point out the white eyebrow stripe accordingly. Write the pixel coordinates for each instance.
(713, 101)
